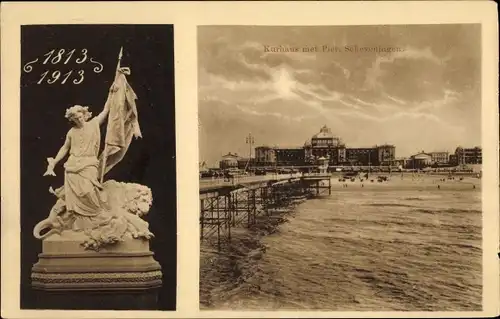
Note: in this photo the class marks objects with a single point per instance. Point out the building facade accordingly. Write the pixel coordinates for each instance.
(362, 156)
(290, 156)
(325, 144)
(439, 157)
(420, 160)
(453, 160)
(469, 155)
(386, 154)
(265, 156)
(244, 163)
(229, 161)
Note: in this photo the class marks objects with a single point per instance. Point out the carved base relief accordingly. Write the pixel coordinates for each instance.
(66, 265)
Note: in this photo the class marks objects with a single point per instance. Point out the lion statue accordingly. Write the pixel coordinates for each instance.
(121, 218)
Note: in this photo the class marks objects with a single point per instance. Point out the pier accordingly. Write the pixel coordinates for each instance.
(237, 203)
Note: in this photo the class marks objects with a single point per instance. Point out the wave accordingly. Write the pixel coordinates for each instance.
(352, 253)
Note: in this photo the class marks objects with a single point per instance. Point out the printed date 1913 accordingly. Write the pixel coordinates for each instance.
(62, 58)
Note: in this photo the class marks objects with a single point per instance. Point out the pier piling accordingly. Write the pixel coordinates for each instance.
(225, 206)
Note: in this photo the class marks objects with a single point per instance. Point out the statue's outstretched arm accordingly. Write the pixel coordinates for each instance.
(52, 162)
(102, 116)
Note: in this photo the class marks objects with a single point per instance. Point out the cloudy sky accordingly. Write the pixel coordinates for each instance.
(426, 96)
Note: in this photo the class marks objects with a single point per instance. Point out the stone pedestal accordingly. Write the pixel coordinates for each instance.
(123, 276)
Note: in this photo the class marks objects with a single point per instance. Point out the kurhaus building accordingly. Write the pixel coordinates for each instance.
(324, 144)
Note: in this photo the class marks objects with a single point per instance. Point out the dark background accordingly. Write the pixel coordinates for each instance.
(148, 51)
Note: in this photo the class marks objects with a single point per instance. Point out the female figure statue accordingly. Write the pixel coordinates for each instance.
(105, 212)
(83, 195)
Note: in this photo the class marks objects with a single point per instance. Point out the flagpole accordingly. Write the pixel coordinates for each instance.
(104, 157)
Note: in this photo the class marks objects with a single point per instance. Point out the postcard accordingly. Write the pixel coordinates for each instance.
(250, 159)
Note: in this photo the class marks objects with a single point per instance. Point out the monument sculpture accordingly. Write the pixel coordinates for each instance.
(95, 238)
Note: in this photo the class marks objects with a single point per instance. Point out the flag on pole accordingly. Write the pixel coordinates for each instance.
(122, 121)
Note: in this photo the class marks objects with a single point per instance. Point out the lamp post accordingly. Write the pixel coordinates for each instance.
(369, 162)
(276, 161)
(250, 141)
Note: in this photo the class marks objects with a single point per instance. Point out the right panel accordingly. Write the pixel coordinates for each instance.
(340, 167)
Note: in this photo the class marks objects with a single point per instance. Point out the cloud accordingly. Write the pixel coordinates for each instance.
(284, 83)
(277, 115)
(383, 63)
(448, 99)
(361, 97)
(392, 98)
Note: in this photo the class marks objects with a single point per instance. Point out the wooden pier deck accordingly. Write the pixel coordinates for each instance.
(210, 188)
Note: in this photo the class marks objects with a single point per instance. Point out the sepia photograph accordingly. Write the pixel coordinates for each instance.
(98, 171)
(340, 167)
(243, 159)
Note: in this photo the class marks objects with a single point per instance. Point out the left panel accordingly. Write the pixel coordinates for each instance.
(98, 171)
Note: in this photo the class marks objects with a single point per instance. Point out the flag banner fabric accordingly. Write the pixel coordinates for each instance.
(122, 121)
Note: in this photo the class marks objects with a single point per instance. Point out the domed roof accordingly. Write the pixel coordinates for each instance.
(324, 132)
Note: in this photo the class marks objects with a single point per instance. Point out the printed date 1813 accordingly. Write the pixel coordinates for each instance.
(61, 58)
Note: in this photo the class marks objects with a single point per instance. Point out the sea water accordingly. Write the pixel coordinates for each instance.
(402, 245)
